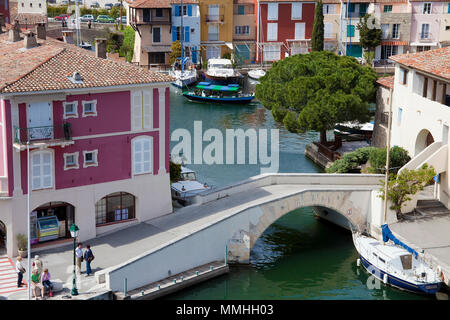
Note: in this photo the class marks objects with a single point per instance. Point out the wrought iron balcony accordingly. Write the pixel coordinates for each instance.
(425, 36)
(46, 135)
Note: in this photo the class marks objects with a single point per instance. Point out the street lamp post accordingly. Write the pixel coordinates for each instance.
(74, 233)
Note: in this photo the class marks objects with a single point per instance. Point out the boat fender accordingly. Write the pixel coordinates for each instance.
(358, 262)
(385, 278)
(440, 273)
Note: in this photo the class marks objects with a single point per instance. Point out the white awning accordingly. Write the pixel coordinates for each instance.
(426, 44)
(229, 45)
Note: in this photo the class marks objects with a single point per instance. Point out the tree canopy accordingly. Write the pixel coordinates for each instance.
(318, 28)
(369, 33)
(175, 51)
(315, 91)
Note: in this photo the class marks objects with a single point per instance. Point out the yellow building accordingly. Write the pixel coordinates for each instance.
(216, 28)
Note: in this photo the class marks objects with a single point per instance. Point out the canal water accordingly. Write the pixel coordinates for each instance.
(297, 257)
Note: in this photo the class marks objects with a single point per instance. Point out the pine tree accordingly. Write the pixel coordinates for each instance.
(318, 32)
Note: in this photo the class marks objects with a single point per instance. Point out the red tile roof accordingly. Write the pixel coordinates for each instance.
(142, 4)
(387, 82)
(435, 62)
(46, 67)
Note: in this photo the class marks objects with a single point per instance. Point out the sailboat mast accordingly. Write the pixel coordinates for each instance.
(388, 147)
(182, 36)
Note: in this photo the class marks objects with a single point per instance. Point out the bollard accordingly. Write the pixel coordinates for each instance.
(125, 287)
(159, 287)
(196, 273)
(174, 280)
(210, 268)
(142, 292)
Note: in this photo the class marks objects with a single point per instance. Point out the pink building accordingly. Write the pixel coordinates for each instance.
(98, 135)
(425, 24)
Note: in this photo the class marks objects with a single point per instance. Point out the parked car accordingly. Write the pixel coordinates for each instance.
(108, 6)
(117, 4)
(104, 19)
(124, 20)
(95, 5)
(64, 2)
(87, 17)
(62, 16)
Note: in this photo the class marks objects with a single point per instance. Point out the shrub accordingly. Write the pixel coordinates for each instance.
(398, 157)
(128, 42)
(350, 161)
(175, 171)
(22, 241)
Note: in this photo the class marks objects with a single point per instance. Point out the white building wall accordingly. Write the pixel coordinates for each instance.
(32, 6)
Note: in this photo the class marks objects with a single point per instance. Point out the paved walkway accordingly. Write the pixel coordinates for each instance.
(120, 246)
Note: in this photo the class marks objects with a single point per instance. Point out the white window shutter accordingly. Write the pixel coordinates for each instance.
(296, 10)
(136, 111)
(147, 109)
(328, 29)
(300, 30)
(146, 153)
(272, 31)
(137, 151)
(36, 170)
(46, 166)
(272, 11)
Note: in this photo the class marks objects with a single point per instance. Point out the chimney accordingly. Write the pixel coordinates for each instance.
(100, 48)
(67, 36)
(40, 30)
(29, 40)
(14, 32)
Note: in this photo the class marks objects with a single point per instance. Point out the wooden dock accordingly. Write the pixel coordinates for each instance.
(176, 282)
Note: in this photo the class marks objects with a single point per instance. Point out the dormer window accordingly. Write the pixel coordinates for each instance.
(70, 109)
(89, 108)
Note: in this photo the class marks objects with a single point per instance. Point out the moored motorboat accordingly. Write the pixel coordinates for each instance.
(187, 187)
(207, 92)
(221, 71)
(184, 75)
(396, 264)
(256, 74)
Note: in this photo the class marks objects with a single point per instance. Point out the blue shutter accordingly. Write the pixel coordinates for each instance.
(189, 10)
(186, 34)
(448, 10)
(194, 54)
(177, 11)
(174, 34)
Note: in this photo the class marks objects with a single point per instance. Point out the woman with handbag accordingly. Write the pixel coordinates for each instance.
(88, 256)
(20, 271)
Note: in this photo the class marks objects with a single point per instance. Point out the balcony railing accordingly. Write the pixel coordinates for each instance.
(387, 36)
(47, 133)
(215, 18)
(425, 36)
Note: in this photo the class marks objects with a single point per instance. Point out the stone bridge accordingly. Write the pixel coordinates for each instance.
(226, 223)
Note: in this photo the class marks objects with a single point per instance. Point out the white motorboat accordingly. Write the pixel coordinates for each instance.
(396, 264)
(221, 71)
(183, 78)
(185, 189)
(256, 74)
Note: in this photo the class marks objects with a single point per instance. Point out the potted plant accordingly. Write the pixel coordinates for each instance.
(22, 243)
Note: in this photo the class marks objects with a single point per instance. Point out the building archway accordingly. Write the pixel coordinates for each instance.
(115, 207)
(51, 221)
(424, 139)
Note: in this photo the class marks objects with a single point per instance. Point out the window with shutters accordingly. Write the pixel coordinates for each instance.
(142, 110)
(296, 11)
(272, 11)
(272, 31)
(41, 170)
(300, 31)
(142, 154)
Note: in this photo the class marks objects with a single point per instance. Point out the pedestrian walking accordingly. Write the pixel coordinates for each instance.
(89, 24)
(20, 271)
(36, 283)
(48, 285)
(37, 264)
(79, 257)
(88, 256)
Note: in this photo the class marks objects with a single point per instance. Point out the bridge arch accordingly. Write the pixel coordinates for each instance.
(347, 203)
(423, 140)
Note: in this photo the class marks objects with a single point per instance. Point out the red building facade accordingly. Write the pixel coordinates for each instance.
(284, 28)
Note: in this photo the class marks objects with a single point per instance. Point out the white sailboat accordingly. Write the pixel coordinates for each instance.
(183, 78)
(256, 74)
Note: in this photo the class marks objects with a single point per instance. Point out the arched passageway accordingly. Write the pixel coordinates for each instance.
(51, 221)
(2, 238)
(423, 140)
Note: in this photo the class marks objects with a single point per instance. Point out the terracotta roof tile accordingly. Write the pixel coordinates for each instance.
(151, 4)
(46, 67)
(387, 82)
(433, 61)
